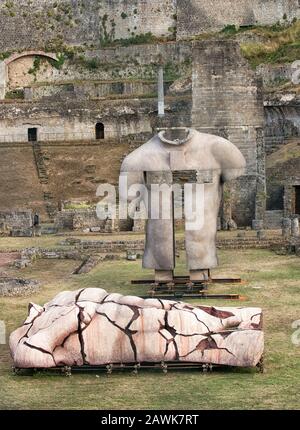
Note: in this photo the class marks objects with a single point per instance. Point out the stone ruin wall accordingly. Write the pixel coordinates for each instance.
(98, 22)
(200, 16)
(227, 101)
(15, 219)
(282, 131)
(213, 69)
(232, 99)
(81, 22)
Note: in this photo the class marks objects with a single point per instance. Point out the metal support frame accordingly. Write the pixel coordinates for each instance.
(181, 287)
(134, 368)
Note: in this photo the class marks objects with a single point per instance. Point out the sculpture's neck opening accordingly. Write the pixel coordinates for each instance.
(176, 136)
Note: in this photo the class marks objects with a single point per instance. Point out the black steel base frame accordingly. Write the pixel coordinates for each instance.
(134, 368)
(181, 287)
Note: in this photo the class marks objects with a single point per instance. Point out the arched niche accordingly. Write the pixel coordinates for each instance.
(4, 65)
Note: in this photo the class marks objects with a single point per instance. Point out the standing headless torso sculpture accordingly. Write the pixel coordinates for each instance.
(214, 160)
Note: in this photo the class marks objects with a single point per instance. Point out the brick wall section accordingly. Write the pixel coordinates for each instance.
(227, 101)
(16, 219)
(198, 16)
(28, 24)
(31, 24)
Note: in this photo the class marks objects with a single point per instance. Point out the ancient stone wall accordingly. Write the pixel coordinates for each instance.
(198, 16)
(68, 162)
(70, 120)
(38, 23)
(282, 120)
(273, 219)
(283, 175)
(131, 65)
(49, 23)
(282, 131)
(227, 101)
(16, 219)
(84, 219)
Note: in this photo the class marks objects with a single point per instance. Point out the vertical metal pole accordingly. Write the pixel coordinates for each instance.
(173, 227)
(161, 95)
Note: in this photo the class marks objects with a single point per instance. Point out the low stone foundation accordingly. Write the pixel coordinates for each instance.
(85, 220)
(16, 223)
(109, 246)
(292, 247)
(10, 287)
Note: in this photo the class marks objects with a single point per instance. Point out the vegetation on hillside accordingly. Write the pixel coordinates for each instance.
(14, 94)
(280, 44)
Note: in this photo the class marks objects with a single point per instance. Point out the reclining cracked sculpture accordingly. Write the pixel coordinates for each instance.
(91, 327)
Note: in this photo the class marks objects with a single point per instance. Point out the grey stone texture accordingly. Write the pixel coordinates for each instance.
(15, 287)
(200, 16)
(48, 23)
(39, 23)
(295, 230)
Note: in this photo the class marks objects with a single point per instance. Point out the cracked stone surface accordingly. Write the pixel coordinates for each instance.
(90, 326)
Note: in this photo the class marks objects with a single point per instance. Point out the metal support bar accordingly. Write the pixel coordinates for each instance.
(181, 280)
(134, 367)
(179, 297)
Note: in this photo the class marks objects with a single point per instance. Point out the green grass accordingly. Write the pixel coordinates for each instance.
(271, 281)
(281, 45)
(16, 94)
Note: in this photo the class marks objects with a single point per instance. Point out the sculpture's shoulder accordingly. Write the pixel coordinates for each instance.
(210, 142)
(226, 153)
(219, 153)
(143, 157)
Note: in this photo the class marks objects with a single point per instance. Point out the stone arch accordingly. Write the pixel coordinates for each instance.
(19, 55)
(14, 57)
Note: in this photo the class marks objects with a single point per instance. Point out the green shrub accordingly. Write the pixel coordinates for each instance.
(15, 94)
(92, 64)
(36, 66)
(57, 64)
(229, 29)
(282, 45)
(4, 55)
(138, 39)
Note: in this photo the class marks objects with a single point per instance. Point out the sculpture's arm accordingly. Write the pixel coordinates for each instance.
(127, 181)
(230, 159)
(132, 189)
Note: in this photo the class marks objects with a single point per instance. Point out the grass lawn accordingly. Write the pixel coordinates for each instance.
(272, 282)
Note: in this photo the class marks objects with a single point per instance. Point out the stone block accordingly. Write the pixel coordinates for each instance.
(95, 229)
(21, 232)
